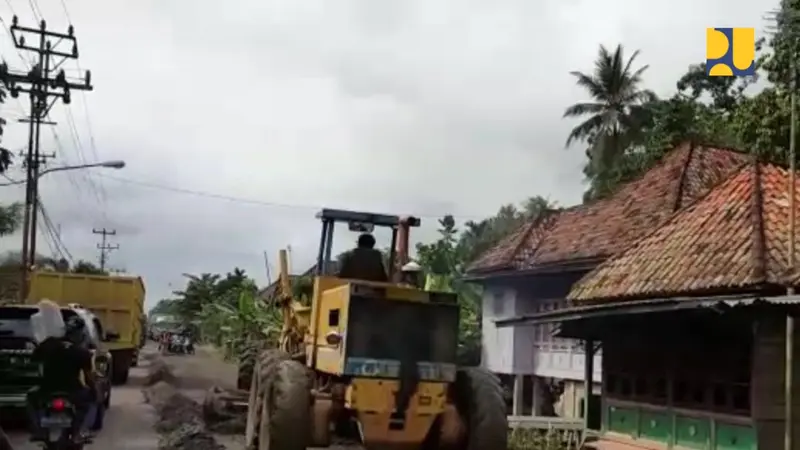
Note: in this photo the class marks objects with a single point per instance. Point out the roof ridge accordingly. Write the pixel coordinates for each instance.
(759, 252)
(682, 179)
(534, 224)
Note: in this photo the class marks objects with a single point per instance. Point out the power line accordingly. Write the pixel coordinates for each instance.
(56, 244)
(66, 11)
(97, 189)
(243, 200)
(55, 232)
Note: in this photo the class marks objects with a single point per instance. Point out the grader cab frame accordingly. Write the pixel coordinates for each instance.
(365, 222)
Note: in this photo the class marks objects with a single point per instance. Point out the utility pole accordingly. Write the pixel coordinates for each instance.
(104, 247)
(45, 82)
(266, 266)
(788, 441)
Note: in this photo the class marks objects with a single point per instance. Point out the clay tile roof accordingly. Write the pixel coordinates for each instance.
(597, 230)
(734, 238)
(505, 253)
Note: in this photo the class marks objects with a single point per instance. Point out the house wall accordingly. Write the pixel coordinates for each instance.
(678, 381)
(498, 343)
(768, 389)
(569, 404)
(531, 350)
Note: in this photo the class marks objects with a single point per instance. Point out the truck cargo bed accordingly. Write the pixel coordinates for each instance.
(117, 301)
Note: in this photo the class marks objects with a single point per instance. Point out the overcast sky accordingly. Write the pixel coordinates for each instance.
(425, 107)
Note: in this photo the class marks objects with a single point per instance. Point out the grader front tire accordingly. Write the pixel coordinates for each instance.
(480, 403)
(247, 362)
(262, 373)
(285, 422)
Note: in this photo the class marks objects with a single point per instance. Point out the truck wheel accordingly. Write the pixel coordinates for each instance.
(120, 367)
(260, 373)
(478, 397)
(286, 408)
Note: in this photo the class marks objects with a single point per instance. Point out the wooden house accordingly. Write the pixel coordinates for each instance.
(533, 269)
(692, 323)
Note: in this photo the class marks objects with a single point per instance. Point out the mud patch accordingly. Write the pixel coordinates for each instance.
(179, 418)
(158, 371)
(189, 437)
(225, 412)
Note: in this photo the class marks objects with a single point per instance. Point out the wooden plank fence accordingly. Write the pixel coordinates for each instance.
(568, 432)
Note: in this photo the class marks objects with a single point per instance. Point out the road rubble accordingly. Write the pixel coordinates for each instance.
(180, 421)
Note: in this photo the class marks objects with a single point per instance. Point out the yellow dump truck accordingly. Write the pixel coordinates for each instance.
(117, 300)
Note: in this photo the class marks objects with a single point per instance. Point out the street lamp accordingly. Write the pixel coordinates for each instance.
(113, 164)
(30, 213)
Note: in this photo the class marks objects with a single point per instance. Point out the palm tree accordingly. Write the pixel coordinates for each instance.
(613, 116)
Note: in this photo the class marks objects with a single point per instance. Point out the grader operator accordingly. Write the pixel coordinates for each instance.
(371, 362)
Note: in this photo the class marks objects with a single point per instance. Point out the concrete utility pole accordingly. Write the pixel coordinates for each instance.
(44, 83)
(104, 247)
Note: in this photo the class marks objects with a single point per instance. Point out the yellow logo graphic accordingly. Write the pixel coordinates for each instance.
(730, 52)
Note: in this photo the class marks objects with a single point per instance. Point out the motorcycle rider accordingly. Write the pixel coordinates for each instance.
(67, 366)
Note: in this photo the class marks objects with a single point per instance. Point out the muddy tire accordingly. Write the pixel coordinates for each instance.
(286, 408)
(478, 396)
(247, 361)
(261, 373)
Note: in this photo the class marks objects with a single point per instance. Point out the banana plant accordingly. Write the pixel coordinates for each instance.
(232, 325)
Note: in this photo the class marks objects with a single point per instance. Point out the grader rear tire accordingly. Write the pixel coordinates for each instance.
(262, 372)
(286, 415)
(479, 400)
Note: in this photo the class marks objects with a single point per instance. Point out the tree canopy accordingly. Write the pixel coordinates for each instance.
(724, 111)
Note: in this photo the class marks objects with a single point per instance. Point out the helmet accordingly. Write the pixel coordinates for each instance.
(411, 267)
(74, 324)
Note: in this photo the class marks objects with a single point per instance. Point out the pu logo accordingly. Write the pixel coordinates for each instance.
(730, 52)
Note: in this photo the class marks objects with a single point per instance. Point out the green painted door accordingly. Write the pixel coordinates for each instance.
(691, 432)
(735, 437)
(655, 427)
(623, 420)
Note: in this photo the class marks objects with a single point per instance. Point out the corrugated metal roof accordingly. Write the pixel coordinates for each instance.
(646, 306)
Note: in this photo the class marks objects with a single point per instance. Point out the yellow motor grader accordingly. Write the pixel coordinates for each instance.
(370, 363)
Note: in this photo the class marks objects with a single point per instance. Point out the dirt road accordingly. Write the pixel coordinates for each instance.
(128, 423)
